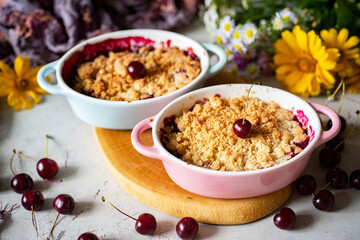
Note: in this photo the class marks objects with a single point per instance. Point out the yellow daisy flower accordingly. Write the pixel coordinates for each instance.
(346, 48)
(303, 63)
(353, 81)
(20, 85)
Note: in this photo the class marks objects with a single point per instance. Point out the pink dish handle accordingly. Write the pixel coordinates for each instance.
(335, 128)
(152, 151)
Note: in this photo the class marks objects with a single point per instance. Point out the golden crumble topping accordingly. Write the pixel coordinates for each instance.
(107, 78)
(204, 135)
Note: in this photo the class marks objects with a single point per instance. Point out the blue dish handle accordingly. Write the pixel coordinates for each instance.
(217, 50)
(41, 78)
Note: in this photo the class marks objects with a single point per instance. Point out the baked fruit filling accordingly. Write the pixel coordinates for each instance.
(203, 135)
(123, 72)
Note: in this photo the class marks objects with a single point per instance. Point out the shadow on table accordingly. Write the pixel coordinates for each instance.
(6, 116)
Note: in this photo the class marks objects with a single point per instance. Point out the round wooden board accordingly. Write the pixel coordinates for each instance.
(146, 180)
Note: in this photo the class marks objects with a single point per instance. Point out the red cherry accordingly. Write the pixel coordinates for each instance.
(136, 70)
(187, 228)
(34, 199)
(285, 218)
(47, 168)
(64, 204)
(242, 128)
(145, 224)
(88, 236)
(21, 183)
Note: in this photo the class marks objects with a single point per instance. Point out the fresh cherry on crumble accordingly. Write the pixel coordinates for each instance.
(306, 184)
(187, 228)
(324, 200)
(136, 70)
(242, 128)
(337, 177)
(145, 224)
(88, 236)
(285, 218)
(355, 179)
(32, 200)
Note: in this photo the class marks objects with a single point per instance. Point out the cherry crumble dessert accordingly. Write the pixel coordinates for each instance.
(136, 74)
(204, 136)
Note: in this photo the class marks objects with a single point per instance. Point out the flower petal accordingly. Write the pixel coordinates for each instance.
(21, 66)
(352, 42)
(33, 72)
(34, 96)
(5, 86)
(6, 71)
(341, 38)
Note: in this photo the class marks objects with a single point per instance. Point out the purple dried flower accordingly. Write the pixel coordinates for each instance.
(263, 61)
(239, 60)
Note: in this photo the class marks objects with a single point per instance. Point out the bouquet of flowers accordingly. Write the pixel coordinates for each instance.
(308, 45)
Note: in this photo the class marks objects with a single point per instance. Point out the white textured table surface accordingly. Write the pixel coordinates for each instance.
(86, 177)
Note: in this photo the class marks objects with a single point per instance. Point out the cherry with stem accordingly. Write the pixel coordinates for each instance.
(46, 167)
(145, 224)
(242, 127)
(63, 204)
(22, 182)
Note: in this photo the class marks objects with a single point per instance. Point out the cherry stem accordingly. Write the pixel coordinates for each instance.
(34, 223)
(53, 226)
(11, 160)
(104, 200)
(351, 132)
(323, 188)
(342, 97)
(335, 92)
(247, 100)
(23, 155)
(47, 145)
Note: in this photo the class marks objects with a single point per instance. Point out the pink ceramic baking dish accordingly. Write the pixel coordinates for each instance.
(220, 184)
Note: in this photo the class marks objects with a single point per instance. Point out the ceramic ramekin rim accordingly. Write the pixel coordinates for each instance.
(165, 154)
(120, 34)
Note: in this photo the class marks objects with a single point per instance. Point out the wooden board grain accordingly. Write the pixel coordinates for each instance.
(146, 180)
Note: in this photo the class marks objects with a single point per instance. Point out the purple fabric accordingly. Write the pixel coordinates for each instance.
(43, 30)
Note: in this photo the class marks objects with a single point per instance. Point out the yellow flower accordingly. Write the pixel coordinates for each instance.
(20, 85)
(346, 48)
(303, 63)
(353, 81)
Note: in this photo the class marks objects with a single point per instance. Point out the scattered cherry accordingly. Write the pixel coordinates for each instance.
(21, 183)
(47, 168)
(343, 124)
(324, 200)
(242, 128)
(64, 204)
(145, 224)
(88, 236)
(32, 199)
(306, 185)
(337, 177)
(334, 143)
(329, 158)
(355, 179)
(285, 218)
(187, 228)
(136, 70)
